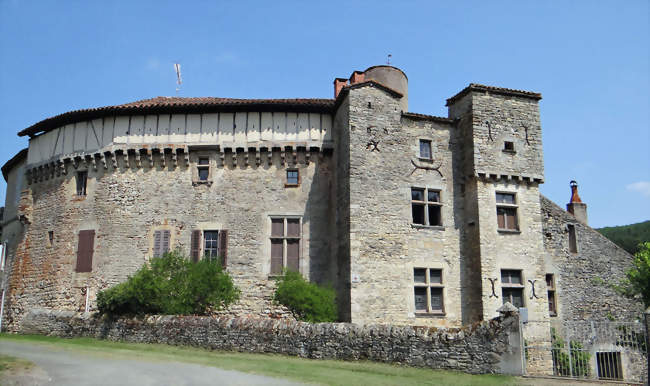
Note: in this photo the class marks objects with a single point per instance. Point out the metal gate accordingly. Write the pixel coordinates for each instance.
(586, 349)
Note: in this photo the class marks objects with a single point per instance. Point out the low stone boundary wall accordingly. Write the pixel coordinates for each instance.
(488, 347)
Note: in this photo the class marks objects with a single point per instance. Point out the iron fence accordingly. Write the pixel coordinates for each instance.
(586, 349)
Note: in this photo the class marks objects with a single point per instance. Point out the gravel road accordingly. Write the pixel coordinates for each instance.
(56, 366)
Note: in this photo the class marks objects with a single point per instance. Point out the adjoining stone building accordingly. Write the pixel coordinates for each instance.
(415, 219)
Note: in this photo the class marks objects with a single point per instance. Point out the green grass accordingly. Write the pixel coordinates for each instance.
(328, 372)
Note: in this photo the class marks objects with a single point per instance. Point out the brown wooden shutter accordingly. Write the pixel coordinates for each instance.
(164, 247)
(157, 241)
(511, 219)
(276, 256)
(293, 254)
(195, 245)
(85, 251)
(501, 218)
(222, 248)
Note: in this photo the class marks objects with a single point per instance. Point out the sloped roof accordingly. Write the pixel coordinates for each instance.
(181, 105)
(495, 90)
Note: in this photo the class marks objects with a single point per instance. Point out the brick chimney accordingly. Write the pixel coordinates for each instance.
(575, 206)
(357, 77)
(339, 83)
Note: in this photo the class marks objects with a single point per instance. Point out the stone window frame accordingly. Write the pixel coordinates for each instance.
(196, 166)
(427, 204)
(285, 239)
(81, 183)
(507, 207)
(222, 242)
(290, 184)
(429, 286)
(551, 294)
(511, 287)
(428, 141)
(152, 235)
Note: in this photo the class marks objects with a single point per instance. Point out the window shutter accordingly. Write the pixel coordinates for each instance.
(293, 255)
(157, 241)
(223, 247)
(501, 219)
(511, 219)
(85, 251)
(276, 256)
(164, 247)
(195, 245)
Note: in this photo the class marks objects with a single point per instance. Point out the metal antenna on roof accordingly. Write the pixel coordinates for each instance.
(179, 80)
(388, 60)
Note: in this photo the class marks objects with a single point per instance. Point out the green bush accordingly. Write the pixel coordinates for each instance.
(308, 302)
(171, 285)
(575, 363)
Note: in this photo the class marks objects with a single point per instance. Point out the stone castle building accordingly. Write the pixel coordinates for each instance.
(414, 219)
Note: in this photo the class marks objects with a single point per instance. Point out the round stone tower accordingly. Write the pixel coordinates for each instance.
(391, 77)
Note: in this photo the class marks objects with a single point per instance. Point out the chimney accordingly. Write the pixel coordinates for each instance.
(357, 77)
(339, 83)
(575, 206)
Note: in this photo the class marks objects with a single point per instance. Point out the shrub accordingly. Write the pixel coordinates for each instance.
(574, 363)
(173, 285)
(307, 301)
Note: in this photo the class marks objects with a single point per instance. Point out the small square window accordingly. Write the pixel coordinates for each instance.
(203, 169)
(509, 146)
(293, 177)
(425, 149)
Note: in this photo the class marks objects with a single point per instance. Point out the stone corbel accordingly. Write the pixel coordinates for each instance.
(60, 169)
(222, 157)
(185, 157)
(174, 159)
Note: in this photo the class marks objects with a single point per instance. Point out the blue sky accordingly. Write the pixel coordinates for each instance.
(589, 59)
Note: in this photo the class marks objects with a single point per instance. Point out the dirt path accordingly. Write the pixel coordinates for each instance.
(55, 366)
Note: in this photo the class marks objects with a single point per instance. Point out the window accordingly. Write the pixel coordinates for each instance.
(609, 365)
(550, 285)
(425, 149)
(426, 207)
(427, 287)
(50, 238)
(285, 244)
(293, 177)
(507, 212)
(3, 255)
(512, 287)
(85, 251)
(212, 243)
(573, 242)
(161, 242)
(82, 182)
(203, 168)
(509, 147)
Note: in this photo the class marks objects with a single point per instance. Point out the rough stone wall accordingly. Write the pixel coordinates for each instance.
(486, 347)
(499, 118)
(341, 209)
(385, 244)
(123, 205)
(582, 278)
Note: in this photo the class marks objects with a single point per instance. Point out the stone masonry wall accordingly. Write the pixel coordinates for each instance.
(125, 204)
(486, 347)
(583, 279)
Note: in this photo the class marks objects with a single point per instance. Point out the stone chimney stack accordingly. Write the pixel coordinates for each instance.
(575, 206)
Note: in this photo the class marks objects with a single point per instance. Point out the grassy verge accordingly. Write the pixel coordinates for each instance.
(328, 372)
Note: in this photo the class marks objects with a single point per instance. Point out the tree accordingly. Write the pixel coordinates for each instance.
(637, 281)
